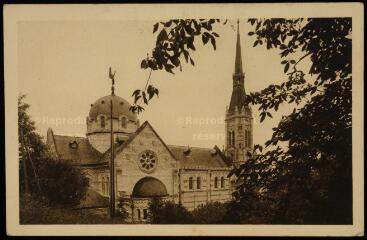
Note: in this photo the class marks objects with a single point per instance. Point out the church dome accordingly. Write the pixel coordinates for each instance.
(149, 187)
(121, 107)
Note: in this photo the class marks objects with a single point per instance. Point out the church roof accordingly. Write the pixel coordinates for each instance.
(238, 98)
(75, 149)
(80, 151)
(238, 61)
(199, 158)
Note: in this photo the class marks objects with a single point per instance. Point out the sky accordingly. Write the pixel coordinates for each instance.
(63, 69)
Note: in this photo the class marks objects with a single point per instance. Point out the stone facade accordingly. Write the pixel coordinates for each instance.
(200, 186)
(239, 125)
(127, 163)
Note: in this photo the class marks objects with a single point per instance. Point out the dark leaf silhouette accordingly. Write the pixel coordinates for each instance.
(155, 27)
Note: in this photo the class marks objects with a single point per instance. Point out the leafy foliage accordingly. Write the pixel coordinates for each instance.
(168, 212)
(122, 210)
(175, 41)
(210, 213)
(59, 182)
(310, 180)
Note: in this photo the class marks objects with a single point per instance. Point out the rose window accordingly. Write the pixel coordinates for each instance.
(148, 161)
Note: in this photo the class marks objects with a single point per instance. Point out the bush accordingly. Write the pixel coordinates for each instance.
(121, 208)
(168, 212)
(211, 213)
(61, 182)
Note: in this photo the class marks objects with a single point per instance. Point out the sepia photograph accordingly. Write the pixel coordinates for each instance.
(213, 122)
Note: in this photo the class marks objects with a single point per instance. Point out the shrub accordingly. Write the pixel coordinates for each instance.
(211, 213)
(61, 182)
(168, 212)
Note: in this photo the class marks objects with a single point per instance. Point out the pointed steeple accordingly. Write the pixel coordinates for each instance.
(238, 62)
(238, 93)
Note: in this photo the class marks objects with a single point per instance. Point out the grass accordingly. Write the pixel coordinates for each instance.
(34, 211)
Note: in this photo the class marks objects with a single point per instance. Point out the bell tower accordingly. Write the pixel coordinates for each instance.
(239, 121)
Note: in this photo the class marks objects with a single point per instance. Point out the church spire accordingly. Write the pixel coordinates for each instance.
(238, 62)
(238, 92)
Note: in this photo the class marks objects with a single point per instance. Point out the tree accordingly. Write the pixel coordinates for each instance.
(313, 176)
(310, 180)
(59, 182)
(62, 183)
(168, 212)
(31, 149)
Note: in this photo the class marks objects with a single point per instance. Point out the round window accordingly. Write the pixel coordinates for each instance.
(147, 161)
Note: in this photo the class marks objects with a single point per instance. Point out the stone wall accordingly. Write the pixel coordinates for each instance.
(128, 172)
(192, 198)
(97, 177)
(239, 122)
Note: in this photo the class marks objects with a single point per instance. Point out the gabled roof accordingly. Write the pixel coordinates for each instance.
(75, 149)
(106, 156)
(199, 158)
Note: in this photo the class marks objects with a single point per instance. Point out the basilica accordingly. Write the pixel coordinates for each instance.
(145, 165)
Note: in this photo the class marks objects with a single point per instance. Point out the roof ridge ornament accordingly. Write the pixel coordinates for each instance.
(187, 151)
(112, 77)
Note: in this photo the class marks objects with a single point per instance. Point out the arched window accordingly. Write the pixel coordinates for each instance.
(229, 138)
(222, 182)
(123, 122)
(198, 183)
(216, 182)
(139, 214)
(190, 183)
(103, 186)
(103, 121)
